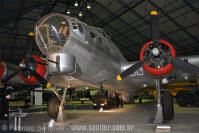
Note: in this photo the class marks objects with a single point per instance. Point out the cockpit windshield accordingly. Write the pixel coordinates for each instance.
(52, 32)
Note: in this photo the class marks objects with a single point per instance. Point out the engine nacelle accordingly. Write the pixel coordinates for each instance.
(38, 65)
(8, 68)
(158, 71)
(2, 70)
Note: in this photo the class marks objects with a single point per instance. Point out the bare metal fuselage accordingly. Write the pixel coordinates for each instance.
(96, 57)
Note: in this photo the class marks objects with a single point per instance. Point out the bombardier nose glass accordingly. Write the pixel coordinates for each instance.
(52, 33)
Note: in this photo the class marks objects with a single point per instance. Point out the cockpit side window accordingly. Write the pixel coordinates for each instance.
(44, 33)
(53, 33)
(80, 28)
(109, 38)
(104, 34)
(100, 40)
(92, 35)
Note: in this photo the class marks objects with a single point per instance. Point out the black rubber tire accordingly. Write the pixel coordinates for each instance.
(192, 99)
(182, 99)
(197, 103)
(167, 106)
(53, 107)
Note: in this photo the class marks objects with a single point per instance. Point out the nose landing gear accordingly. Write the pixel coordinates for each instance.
(55, 106)
(165, 110)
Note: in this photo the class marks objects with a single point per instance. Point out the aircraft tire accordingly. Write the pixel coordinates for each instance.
(53, 107)
(167, 106)
(197, 103)
(182, 99)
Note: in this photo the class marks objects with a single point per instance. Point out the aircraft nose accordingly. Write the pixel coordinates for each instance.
(52, 32)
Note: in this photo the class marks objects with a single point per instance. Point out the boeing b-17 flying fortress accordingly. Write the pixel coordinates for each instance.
(77, 55)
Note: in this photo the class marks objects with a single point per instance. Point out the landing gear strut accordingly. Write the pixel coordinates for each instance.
(165, 110)
(158, 117)
(55, 106)
(60, 117)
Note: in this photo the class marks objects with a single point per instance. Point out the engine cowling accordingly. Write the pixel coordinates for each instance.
(2, 70)
(158, 71)
(37, 67)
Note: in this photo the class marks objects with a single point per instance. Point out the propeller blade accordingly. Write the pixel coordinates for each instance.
(10, 76)
(184, 66)
(40, 79)
(30, 46)
(42, 63)
(155, 28)
(29, 49)
(130, 70)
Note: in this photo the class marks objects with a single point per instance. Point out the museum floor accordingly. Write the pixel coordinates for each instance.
(133, 118)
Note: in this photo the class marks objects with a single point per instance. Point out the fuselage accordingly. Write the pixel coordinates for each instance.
(86, 53)
(97, 59)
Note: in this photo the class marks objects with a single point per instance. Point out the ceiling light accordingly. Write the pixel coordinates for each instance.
(68, 12)
(76, 4)
(88, 6)
(80, 14)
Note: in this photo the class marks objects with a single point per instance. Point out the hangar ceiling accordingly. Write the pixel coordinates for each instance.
(127, 22)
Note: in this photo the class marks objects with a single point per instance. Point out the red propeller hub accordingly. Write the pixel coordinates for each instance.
(158, 71)
(39, 68)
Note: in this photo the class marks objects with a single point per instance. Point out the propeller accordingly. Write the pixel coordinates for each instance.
(40, 79)
(155, 51)
(130, 70)
(26, 66)
(156, 55)
(184, 66)
(155, 34)
(29, 49)
(11, 75)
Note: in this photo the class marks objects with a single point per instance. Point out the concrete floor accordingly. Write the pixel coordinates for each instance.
(137, 118)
